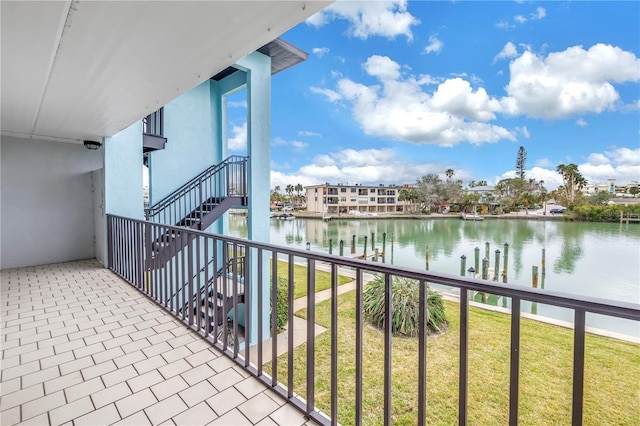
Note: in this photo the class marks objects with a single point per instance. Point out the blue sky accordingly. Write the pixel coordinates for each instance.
(393, 90)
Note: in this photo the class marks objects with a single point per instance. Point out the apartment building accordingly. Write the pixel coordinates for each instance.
(354, 198)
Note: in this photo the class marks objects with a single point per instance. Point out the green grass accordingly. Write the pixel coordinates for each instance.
(612, 372)
(323, 279)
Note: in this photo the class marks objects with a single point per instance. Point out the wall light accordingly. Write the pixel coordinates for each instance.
(92, 145)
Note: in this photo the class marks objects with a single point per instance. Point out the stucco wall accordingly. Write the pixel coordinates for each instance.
(123, 173)
(190, 147)
(46, 210)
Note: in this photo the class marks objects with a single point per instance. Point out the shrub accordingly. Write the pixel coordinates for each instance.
(588, 213)
(405, 313)
(283, 311)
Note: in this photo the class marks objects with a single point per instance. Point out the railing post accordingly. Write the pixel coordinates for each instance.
(388, 312)
(311, 347)
(514, 369)
(464, 355)
(201, 201)
(109, 241)
(578, 367)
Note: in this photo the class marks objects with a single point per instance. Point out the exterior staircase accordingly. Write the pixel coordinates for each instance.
(196, 205)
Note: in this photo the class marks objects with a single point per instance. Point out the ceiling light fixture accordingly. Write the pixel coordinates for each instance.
(92, 145)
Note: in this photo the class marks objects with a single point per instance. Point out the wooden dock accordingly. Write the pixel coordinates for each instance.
(629, 217)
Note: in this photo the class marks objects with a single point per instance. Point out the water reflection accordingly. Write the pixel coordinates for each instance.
(599, 260)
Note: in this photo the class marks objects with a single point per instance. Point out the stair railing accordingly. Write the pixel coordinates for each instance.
(229, 178)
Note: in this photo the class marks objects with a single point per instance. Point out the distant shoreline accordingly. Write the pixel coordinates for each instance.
(384, 216)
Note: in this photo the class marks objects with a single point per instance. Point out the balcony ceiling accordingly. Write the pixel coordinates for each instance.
(83, 70)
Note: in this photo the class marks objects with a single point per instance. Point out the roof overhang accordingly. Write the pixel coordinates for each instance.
(283, 56)
(84, 70)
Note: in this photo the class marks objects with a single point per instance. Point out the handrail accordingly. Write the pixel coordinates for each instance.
(126, 254)
(206, 185)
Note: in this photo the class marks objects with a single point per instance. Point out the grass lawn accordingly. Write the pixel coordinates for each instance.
(612, 372)
(323, 279)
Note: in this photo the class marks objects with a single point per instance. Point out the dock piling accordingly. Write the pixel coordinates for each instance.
(476, 263)
(427, 257)
(487, 250)
(463, 265)
(506, 262)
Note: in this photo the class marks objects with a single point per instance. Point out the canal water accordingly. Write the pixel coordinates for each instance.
(594, 259)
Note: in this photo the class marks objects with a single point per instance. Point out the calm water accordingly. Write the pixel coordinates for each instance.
(595, 259)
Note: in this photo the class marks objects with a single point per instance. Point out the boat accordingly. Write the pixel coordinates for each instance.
(283, 216)
(473, 216)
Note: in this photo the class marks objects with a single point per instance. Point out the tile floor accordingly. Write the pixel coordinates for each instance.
(81, 346)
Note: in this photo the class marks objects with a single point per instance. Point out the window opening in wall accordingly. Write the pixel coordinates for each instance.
(237, 121)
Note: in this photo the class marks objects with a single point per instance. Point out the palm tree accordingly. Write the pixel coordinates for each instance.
(573, 180)
(289, 190)
(299, 189)
(449, 173)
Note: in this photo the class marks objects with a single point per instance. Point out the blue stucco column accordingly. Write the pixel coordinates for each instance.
(258, 69)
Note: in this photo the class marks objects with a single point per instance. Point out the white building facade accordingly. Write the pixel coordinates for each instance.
(354, 198)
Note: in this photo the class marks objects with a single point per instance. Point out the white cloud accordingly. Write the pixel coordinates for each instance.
(299, 145)
(543, 162)
(237, 104)
(448, 111)
(504, 25)
(570, 82)
(278, 141)
(435, 45)
(625, 156)
(523, 131)
(382, 67)
(385, 18)
(295, 144)
(520, 19)
(405, 108)
(309, 133)
(581, 122)
(331, 95)
(598, 159)
(539, 13)
(621, 164)
(238, 139)
(368, 166)
(320, 51)
(508, 51)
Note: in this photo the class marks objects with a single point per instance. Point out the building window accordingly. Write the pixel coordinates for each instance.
(153, 124)
(343, 189)
(353, 190)
(372, 199)
(343, 199)
(372, 190)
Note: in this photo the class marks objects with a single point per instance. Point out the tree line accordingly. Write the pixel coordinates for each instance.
(292, 195)
(431, 192)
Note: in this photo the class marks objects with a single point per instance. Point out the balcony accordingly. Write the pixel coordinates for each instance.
(80, 344)
(296, 373)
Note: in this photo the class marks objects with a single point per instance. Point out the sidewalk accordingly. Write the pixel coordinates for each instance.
(300, 324)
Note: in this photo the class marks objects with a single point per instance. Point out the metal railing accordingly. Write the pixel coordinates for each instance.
(126, 254)
(218, 182)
